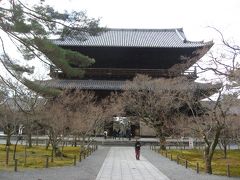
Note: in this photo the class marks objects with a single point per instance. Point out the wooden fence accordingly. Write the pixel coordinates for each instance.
(188, 164)
(21, 159)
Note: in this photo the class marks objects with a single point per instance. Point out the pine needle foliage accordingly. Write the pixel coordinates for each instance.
(30, 26)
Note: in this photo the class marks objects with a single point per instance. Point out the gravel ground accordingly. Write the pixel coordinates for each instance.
(177, 172)
(86, 170)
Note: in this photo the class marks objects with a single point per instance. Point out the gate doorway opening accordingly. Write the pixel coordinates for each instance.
(122, 127)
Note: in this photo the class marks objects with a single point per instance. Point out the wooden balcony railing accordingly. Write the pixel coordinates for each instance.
(122, 73)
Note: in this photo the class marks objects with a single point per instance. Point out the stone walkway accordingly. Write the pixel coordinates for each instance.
(115, 163)
(121, 164)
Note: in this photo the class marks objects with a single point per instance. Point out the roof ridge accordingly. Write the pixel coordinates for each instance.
(183, 38)
(143, 29)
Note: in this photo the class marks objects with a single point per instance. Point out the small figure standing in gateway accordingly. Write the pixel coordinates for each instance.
(137, 149)
(105, 134)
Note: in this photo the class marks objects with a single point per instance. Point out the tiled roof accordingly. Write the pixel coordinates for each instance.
(155, 38)
(111, 85)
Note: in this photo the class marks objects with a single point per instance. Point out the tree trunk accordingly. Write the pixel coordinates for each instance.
(8, 139)
(47, 144)
(161, 136)
(63, 143)
(208, 165)
(7, 154)
(55, 150)
(37, 139)
(208, 159)
(29, 139)
(52, 154)
(83, 140)
(224, 143)
(75, 141)
(15, 149)
(25, 155)
(162, 140)
(209, 151)
(225, 151)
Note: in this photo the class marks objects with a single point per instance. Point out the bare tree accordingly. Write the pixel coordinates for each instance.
(208, 120)
(227, 135)
(76, 113)
(30, 104)
(230, 132)
(10, 116)
(154, 102)
(224, 62)
(236, 129)
(27, 102)
(56, 123)
(9, 121)
(86, 114)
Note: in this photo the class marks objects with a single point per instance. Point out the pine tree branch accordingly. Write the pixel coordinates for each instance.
(28, 46)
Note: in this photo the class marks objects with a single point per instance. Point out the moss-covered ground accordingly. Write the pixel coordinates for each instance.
(36, 157)
(219, 163)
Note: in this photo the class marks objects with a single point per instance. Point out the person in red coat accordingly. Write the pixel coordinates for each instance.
(137, 149)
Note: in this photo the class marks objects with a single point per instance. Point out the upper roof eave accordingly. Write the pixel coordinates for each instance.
(137, 38)
(200, 46)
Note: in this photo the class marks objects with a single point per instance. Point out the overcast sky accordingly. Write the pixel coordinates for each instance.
(193, 16)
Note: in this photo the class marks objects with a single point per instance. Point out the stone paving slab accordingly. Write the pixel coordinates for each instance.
(121, 164)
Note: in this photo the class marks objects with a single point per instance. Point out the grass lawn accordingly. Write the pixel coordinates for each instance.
(36, 157)
(219, 164)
